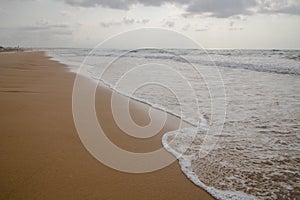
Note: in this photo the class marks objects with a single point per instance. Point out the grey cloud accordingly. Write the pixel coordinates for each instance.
(213, 8)
(238, 17)
(143, 21)
(62, 32)
(221, 8)
(121, 4)
(236, 28)
(125, 20)
(128, 20)
(42, 22)
(3, 11)
(118, 4)
(279, 6)
(169, 24)
(66, 13)
(43, 26)
(47, 27)
(186, 27)
(201, 29)
(12, 37)
(52, 29)
(32, 28)
(109, 24)
(289, 10)
(161, 2)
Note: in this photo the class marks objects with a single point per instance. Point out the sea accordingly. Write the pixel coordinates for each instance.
(250, 96)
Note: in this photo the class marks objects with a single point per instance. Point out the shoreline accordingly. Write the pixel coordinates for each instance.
(137, 100)
(41, 154)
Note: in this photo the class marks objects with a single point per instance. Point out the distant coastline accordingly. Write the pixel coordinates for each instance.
(10, 49)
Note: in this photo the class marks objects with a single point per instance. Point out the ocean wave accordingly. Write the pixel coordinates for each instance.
(258, 153)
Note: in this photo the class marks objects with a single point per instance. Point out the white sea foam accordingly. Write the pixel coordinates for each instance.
(181, 144)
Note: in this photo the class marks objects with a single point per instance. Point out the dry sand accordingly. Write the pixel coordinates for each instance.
(41, 155)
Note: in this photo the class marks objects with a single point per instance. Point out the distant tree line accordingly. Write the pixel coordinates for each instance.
(7, 49)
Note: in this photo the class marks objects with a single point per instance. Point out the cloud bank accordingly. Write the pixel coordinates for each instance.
(125, 20)
(212, 8)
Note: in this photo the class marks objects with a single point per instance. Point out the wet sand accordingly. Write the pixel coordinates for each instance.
(41, 154)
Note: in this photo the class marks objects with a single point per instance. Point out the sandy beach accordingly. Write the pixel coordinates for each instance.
(41, 154)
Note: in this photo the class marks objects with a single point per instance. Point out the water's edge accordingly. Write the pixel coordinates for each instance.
(190, 175)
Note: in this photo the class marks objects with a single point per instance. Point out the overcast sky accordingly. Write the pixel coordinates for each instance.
(212, 23)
